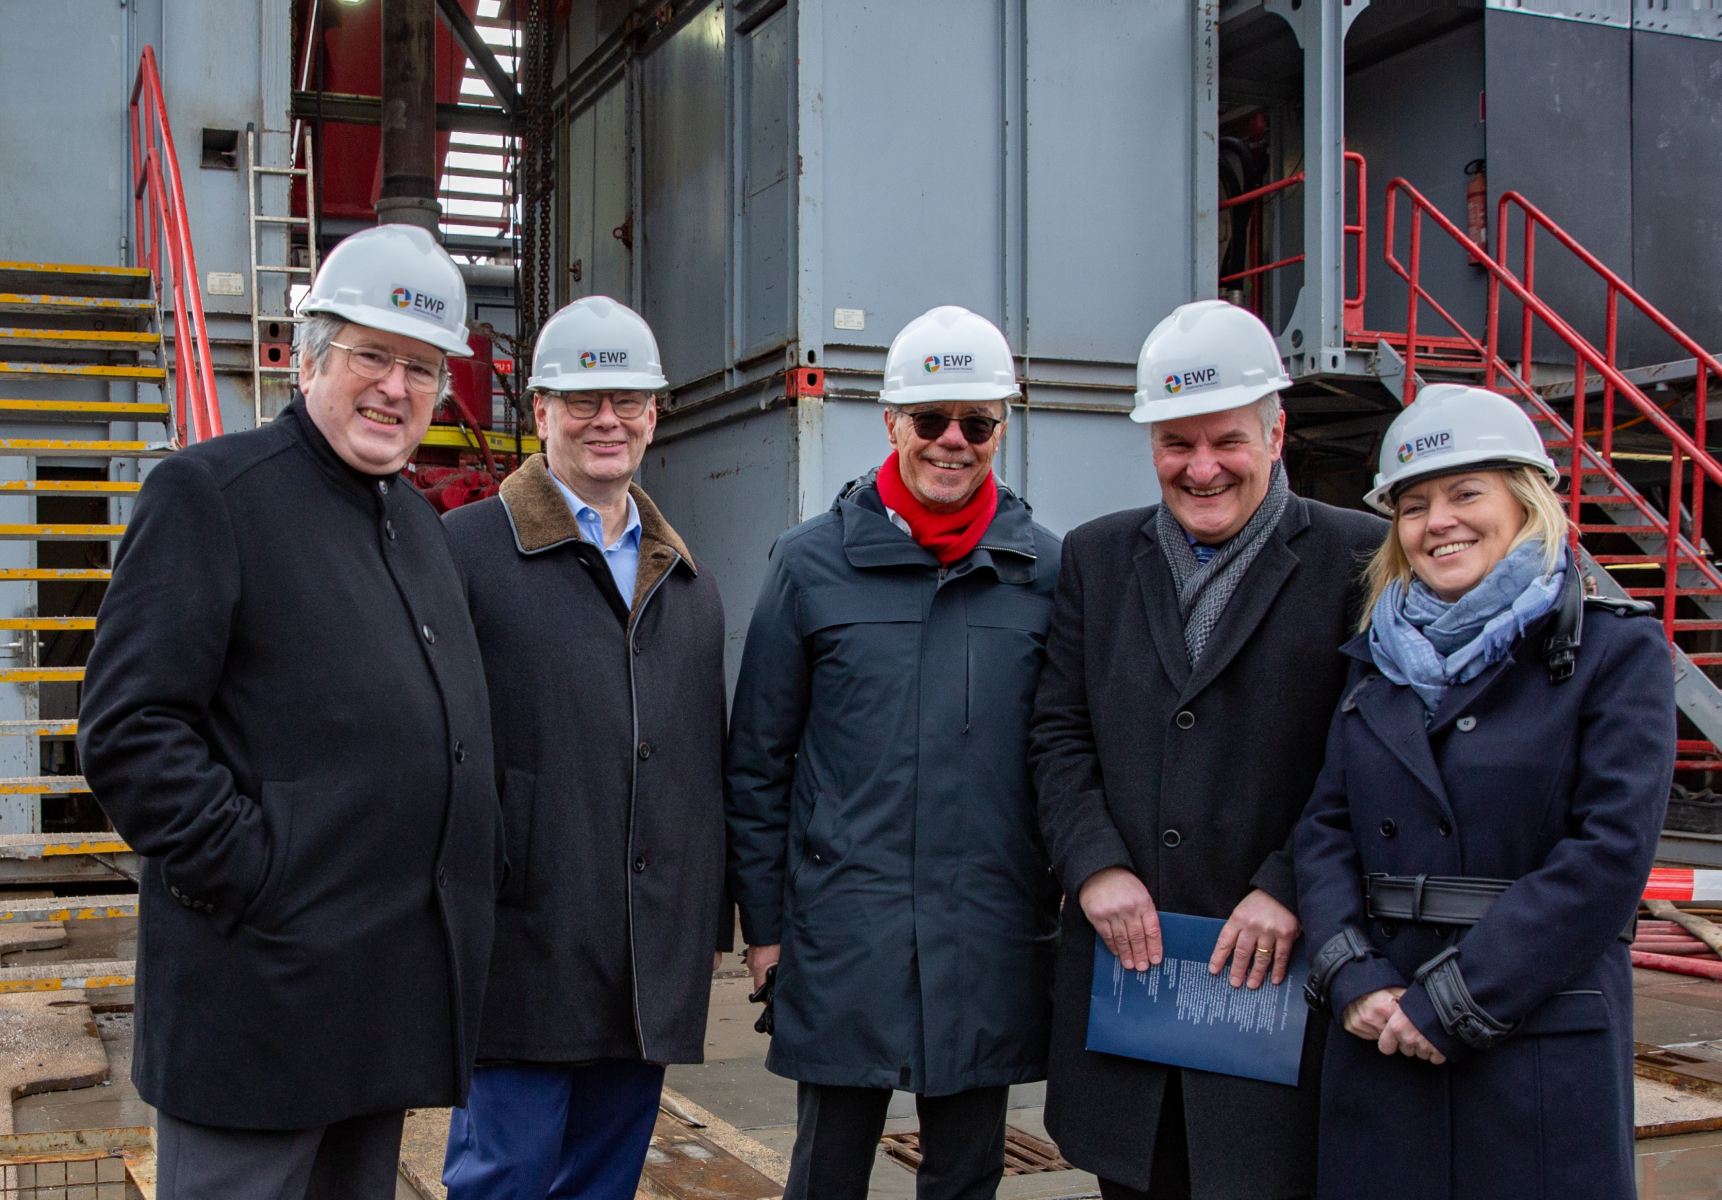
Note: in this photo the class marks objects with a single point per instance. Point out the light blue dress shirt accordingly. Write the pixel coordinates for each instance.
(622, 555)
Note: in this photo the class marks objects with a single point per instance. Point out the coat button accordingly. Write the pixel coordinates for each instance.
(1171, 838)
(817, 859)
(430, 634)
(645, 750)
(383, 486)
(1389, 930)
(1185, 719)
(639, 864)
(1446, 827)
(459, 752)
(442, 877)
(636, 647)
(1388, 828)
(1466, 724)
(174, 892)
(389, 528)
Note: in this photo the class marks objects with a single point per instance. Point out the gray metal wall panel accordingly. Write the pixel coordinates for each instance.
(64, 83)
(598, 196)
(913, 161)
(1109, 160)
(855, 443)
(1416, 115)
(684, 198)
(725, 490)
(1082, 465)
(1676, 189)
(1559, 131)
(767, 192)
(578, 194)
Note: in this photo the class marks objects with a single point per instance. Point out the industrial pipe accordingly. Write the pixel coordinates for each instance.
(409, 115)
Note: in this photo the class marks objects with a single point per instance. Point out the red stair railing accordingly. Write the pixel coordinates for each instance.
(159, 205)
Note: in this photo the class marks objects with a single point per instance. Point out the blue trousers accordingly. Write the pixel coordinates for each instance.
(532, 1132)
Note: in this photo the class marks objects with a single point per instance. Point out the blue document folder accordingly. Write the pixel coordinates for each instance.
(1179, 1014)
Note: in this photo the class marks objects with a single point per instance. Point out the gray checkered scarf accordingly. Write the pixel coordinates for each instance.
(1204, 590)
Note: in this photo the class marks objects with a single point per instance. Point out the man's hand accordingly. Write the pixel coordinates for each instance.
(758, 958)
(1117, 904)
(1260, 932)
(1402, 1037)
(1367, 1016)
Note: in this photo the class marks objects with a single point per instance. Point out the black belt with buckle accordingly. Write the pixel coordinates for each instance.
(1441, 899)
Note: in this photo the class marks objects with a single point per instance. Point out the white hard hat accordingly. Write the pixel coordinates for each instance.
(1449, 427)
(397, 279)
(595, 345)
(949, 353)
(1205, 357)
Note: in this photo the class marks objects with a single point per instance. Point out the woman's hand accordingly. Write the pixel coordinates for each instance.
(1117, 904)
(1401, 1037)
(1367, 1016)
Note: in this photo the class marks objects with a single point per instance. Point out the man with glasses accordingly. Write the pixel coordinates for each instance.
(603, 644)
(883, 843)
(286, 715)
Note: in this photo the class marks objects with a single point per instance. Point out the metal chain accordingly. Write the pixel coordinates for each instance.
(536, 167)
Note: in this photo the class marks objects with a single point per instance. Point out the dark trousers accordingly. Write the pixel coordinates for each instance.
(1171, 1170)
(356, 1159)
(536, 1131)
(837, 1140)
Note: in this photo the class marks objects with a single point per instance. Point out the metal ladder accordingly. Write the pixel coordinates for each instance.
(272, 355)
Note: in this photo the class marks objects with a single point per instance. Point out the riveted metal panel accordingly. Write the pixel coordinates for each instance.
(767, 191)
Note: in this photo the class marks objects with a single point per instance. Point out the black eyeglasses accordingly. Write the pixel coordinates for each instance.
(627, 406)
(931, 426)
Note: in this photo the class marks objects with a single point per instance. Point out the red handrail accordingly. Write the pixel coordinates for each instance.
(1680, 551)
(159, 206)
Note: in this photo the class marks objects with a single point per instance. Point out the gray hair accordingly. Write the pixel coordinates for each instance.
(317, 334)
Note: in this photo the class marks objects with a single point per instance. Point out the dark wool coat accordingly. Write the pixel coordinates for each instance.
(609, 723)
(880, 811)
(1559, 786)
(1194, 781)
(285, 714)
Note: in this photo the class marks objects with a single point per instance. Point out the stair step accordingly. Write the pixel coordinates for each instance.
(68, 448)
(60, 533)
(1620, 560)
(18, 846)
(1645, 530)
(67, 487)
(84, 370)
(55, 729)
(64, 976)
(45, 623)
(86, 410)
(76, 306)
(55, 574)
(1704, 660)
(80, 339)
(1644, 591)
(69, 908)
(51, 785)
(1694, 624)
(40, 675)
(74, 278)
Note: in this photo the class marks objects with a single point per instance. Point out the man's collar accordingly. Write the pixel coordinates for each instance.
(581, 508)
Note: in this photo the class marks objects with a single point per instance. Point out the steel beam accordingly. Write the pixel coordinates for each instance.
(478, 50)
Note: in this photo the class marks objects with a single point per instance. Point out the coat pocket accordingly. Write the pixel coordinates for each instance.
(277, 805)
(1580, 1010)
(518, 789)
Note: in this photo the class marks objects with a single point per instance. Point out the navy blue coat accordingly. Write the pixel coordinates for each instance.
(881, 817)
(1559, 786)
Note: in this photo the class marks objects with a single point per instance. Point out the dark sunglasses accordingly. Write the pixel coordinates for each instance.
(930, 427)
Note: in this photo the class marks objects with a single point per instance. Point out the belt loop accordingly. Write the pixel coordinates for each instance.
(1417, 897)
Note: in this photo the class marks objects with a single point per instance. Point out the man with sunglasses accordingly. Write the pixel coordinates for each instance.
(883, 843)
(603, 643)
(286, 715)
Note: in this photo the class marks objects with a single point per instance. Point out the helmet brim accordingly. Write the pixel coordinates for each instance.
(636, 381)
(1383, 495)
(387, 322)
(935, 393)
(1150, 408)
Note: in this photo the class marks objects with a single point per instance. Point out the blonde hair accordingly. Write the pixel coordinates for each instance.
(1545, 518)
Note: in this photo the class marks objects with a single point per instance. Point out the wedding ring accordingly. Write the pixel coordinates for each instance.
(1264, 950)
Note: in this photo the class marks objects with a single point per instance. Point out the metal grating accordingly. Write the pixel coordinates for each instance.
(1025, 1154)
(101, 1178)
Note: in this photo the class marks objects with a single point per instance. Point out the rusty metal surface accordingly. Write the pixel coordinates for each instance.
(1025, 1154)
(684, 1165)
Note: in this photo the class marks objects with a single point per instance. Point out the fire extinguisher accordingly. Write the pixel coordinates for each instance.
(1477, 205)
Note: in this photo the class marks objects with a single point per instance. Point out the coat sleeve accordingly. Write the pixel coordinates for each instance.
(771, 700)
(160, 649)
(1079, 831)
(1329, 895)
(1559, 919)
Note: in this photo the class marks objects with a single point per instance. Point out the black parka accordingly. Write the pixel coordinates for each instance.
(609, 720)
(285, 714)
(881, 816)
(1559, 787)
(1193, 780)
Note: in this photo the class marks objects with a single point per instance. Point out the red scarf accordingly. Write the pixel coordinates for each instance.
(949, 536)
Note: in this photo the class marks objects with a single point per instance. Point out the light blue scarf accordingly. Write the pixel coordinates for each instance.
(1419, 639)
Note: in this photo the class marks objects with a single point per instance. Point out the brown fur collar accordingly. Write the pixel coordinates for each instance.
(542, 519)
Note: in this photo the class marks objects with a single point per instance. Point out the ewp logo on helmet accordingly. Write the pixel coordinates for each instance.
(420, 304)
(1439, 442)
(948, 362)
(613, 359)
(1196, 379)
(401, 298)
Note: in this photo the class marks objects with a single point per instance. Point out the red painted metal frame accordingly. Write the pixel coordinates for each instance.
(1681, 551)
(1353, 314)
(159, 206)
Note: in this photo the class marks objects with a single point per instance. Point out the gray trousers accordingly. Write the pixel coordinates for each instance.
(354, 1159)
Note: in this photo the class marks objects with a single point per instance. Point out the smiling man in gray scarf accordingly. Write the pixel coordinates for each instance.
(1192, 666)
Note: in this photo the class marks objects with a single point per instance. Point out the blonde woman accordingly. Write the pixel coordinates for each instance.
(1471, 861)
